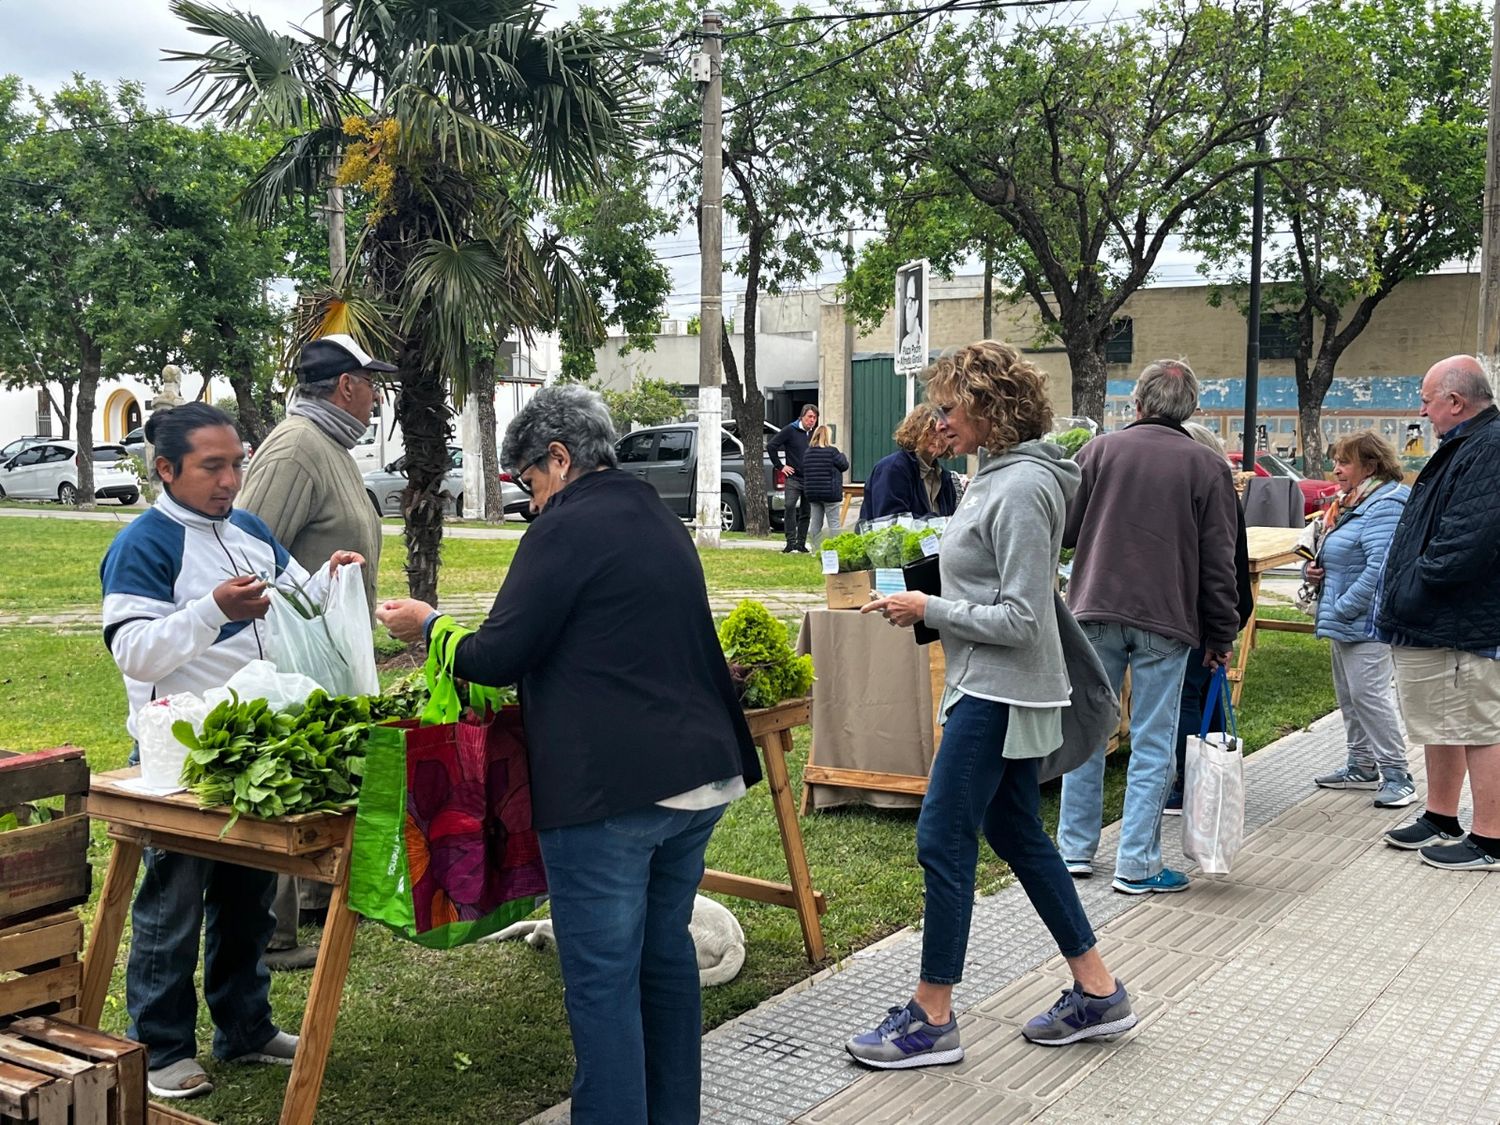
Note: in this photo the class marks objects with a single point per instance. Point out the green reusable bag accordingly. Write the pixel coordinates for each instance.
(444, 852)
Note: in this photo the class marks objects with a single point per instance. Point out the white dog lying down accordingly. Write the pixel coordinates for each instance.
(717, 937)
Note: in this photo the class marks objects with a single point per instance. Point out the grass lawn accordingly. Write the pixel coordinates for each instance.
(479, 1033)
(54, 564)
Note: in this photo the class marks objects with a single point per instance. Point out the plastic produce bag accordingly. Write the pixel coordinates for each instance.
(260, 679)
(335, 647)
(162, 755)
(1213, 795)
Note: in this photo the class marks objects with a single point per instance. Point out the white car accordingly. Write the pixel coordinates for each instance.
(49, 471)
(386, 485)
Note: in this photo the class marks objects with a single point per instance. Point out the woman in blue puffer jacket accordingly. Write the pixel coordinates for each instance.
(1359, 526)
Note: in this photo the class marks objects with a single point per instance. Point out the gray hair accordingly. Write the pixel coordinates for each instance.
(1167, 388)
(1468, 381)
(573, 416)
(1204, 437)
(323, 389)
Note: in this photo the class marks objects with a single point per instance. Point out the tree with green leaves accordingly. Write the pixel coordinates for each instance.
(88, 271)
(1382, 176)
(792, 181)
(1089, 145)
(451, 122)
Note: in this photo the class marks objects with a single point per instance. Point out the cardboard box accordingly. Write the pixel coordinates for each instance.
(849, 591)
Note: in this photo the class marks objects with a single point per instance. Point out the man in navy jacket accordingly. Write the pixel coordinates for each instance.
(791, 442)
(1439, 607)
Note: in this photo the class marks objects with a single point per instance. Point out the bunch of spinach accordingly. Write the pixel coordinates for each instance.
(267, 763)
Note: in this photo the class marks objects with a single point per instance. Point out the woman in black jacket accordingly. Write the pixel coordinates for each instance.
(823, 469)
(636, 743)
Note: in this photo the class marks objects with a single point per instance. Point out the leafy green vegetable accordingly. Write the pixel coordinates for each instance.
(884, 546)
(853, 554)
(268, 763)
(1073, 440)
(756, 646)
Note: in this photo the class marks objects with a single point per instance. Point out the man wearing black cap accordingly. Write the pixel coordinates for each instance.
(307, 488)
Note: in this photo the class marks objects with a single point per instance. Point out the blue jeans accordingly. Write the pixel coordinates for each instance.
(179, 896)
(622, 898)
(973, 788)
(1157, 665)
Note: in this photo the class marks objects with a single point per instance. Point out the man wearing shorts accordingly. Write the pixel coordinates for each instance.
(1439, 607)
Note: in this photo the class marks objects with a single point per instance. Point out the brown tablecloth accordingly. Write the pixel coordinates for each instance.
(872, 702)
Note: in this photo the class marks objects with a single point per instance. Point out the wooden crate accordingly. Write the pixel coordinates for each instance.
(45, 866)
(40, 970)
(59, 1072)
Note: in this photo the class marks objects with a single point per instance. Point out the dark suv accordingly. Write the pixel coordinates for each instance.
(665, 456)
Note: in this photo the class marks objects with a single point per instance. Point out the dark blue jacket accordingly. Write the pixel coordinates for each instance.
(792, 439)
(1442, 575)
(895, 488)
(822, 474)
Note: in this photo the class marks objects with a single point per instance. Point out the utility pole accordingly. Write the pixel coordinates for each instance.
(708, 73)
(1489, 258)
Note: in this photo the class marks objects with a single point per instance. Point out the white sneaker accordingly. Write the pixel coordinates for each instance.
(279, 1050)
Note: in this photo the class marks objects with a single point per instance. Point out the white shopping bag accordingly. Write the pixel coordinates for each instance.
(1213, 794)
(162, 755)
(335, 648)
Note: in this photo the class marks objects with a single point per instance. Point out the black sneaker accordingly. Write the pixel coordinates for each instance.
(1465, 855)
(788, 549)
(1420, 833)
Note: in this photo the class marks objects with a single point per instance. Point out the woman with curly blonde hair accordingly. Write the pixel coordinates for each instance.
(1007, 684)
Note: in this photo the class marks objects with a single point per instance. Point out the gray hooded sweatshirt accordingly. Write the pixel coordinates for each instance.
(997, 613)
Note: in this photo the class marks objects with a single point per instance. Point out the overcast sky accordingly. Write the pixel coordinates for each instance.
(110, 40)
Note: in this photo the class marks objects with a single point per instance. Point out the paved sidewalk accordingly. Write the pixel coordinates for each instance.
(1329, 979)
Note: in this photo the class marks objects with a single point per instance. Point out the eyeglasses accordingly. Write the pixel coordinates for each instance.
(941, 412)
(520, 477)
(362, 377)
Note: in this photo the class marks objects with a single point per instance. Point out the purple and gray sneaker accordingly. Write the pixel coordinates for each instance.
(905, 1038)
(1077, 1016)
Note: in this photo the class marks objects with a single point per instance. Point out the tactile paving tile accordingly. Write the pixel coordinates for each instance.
(1184, 932)
(1302, 1109)
(1274, 872)
(1307, 847)
(919, 1096)
(997, 1057)
(1229, 900)
(1161, 972)
(1423, 1051)
(1346, 824)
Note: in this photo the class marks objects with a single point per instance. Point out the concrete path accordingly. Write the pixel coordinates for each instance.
(1329, 979)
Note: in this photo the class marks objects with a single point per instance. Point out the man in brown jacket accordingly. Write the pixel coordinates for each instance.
(1154, 577)
(307, 488)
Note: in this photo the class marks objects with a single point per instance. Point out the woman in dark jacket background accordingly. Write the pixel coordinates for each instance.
(910, 481)
(636, 744)
(823, 469)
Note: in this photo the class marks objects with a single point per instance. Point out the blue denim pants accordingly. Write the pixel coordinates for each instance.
(622, 898)
(1157, 665)
(974, 788)
(179, 896)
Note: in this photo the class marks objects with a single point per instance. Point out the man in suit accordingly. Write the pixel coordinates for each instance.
(786, 450)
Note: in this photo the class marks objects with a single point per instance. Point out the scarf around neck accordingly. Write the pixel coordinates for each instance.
(338, 424)
(1345, 502)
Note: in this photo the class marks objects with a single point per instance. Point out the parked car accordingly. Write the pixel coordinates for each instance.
(665, 457)
(49, 471)
(135, 442)
(25, 442)
(1316, 494)
(386, 485)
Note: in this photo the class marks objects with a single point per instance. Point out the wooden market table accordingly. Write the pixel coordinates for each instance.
(1270, 547)
(852, 492)
(772, 727)
(312, 846)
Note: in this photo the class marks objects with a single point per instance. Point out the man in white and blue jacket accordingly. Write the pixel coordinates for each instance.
(185, 595)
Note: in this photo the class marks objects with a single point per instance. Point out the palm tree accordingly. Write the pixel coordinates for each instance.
(457, 118)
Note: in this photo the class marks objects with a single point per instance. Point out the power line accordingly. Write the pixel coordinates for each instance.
(924, 13)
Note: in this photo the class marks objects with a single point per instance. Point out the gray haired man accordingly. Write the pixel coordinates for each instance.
(1154, 578)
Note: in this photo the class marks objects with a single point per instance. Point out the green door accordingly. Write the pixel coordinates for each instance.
(879, 404)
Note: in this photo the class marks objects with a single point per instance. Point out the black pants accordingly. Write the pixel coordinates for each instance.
(798, 512)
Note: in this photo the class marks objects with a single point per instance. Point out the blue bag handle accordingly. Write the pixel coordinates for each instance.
(1218, 692)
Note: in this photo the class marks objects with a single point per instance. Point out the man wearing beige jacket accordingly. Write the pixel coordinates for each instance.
(307, 488)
